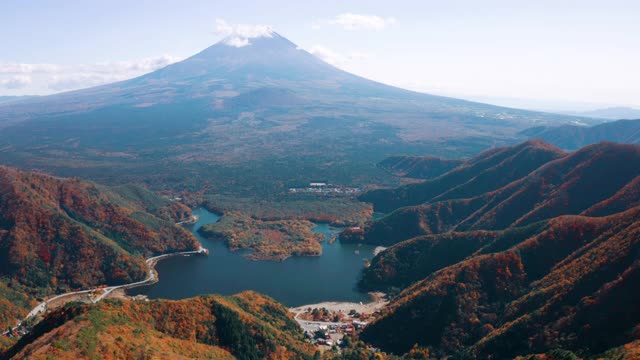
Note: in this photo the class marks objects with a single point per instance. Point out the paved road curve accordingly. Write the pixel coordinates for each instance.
(151, 278)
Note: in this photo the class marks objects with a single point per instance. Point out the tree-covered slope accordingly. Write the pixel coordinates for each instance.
(418, 167)
(573, 286)
(244, 326)
(569, 185)
(488, 171)
(549, 261)
(412, 260)
(58, 234)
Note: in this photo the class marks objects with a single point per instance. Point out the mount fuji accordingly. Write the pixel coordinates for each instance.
(241, 102)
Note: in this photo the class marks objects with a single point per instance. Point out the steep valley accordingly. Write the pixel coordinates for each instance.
(60, 234)
(525, 268)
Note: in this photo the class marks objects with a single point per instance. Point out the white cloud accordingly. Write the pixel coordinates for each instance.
(118, 67)
(15, 82)
(238, 35)
(12, 68)
(138, 66)
(344, 61)
(316, 24)
(350, 21)
(37, 78)
(80, 80)
(327, 55)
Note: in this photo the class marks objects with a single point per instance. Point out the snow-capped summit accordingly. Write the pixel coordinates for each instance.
(240, 35)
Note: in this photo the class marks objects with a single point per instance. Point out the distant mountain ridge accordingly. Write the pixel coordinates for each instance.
(418, 167)
(610, 113)
(243, 109)
(569, 184)
(573, 137)
(487, 171)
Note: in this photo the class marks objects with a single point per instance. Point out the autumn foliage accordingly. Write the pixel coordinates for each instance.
(602, 176)
(488, 171)
(418, 167)
(549, 261)
(59, 234)
(267, 239)
(246, 326)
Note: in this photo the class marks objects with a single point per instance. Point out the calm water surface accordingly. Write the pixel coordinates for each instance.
(295, 281)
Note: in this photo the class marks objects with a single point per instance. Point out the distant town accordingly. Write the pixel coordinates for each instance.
(325, 189)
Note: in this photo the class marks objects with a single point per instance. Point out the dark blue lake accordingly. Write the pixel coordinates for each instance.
(295, 281)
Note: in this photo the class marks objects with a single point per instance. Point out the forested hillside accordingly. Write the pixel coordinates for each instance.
(569, 185)
(246, 326)
(418, 167)
(527, 268)
(488, 171)
(572, 285)
(59, 234)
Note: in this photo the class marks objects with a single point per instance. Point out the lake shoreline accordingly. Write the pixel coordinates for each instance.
(378, 301)
(301, 279)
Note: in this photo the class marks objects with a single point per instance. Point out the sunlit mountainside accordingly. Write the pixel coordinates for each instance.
(260, 103)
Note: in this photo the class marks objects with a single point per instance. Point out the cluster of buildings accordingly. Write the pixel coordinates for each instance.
(332, 333)
(324, 188)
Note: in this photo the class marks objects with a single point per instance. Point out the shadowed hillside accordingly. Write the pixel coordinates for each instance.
(549, 261)
(418, 167)
(412, 260)
(488, 171)
(568, 185)
(550, 290)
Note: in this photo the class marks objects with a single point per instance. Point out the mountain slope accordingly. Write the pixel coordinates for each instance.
(265, 110)
(545, 262)
(568, 185)
(57, 234)
(573, 137)
(487, 171)
(222, 71)
(412, 260)
(12, 98)
(246, 326)
(549, 290)
(418, 167)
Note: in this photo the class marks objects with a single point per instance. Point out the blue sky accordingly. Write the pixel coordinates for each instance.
(553, 54)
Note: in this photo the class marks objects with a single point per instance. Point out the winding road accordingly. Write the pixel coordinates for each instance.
(151, 278)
